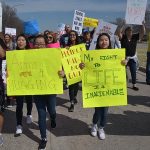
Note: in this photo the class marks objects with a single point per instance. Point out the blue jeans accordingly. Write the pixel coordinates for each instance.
(100, 116)
(133, 67)
(43, 103)
(19, 107)
(148, 68)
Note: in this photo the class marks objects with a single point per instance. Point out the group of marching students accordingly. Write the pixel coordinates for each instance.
(123, 39)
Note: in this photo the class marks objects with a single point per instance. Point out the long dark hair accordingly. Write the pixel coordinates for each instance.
(27, 42)
(97, 43)
(77, 38)
(3, 45)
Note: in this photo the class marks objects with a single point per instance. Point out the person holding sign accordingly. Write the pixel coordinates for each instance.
(100, 114)
(129, 42)
(73, 89)
(2, 96)
(22, 44)
(45, 102)
(87, 38)
(64, 38)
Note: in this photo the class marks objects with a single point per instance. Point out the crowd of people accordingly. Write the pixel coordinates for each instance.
(125, 38)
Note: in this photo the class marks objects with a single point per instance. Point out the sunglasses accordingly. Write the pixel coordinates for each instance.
(49, 37)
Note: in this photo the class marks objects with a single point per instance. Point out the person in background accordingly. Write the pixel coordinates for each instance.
(31, 40)
(148, 63)
(45, 102)
(51, 40)
(100, 114)
(22, 44)
(129, 42)
(115, 42)
(63, 43)
(3, 47)
(73, 89)
(87, 38)
(9, 42)
(64, 38)
(46, 32)
(10, 46)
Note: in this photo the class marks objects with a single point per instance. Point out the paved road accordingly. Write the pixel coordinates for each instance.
(128, 127)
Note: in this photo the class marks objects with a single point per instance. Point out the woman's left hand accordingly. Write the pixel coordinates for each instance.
(124, 62)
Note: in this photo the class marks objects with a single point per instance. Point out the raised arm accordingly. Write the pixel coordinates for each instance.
(121, 29)
(142, 32)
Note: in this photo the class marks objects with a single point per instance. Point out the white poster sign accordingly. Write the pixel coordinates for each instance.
(103, 27)
(135, 11)
(61, 29)
(78, 21)
(4, 71)
(11, 31)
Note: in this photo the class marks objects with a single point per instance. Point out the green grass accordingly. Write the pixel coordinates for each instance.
(141, 52)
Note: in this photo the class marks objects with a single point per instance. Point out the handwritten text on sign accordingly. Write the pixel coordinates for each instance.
(34, 72)
(78, 21)
(104, 78)
(90, 22)
(71, 60)
(135, 11)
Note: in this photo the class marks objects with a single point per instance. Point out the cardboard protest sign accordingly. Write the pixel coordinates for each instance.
(78, 21)
(4, 71)
(135, 11)
(11, 31)
(104, 78)
(71, 60)
(90, 22)
(61, 29)
(34, 72)
(103, 27)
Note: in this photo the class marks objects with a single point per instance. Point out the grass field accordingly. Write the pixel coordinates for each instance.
(141, 52)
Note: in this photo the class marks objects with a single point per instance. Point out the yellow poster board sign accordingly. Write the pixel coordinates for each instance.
(71, 60)
(34, 72)
(90, 22)
(104, 78)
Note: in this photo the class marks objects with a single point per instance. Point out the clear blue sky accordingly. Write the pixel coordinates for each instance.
(49, 13)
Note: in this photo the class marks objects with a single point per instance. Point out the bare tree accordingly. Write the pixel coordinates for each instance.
(10, 19)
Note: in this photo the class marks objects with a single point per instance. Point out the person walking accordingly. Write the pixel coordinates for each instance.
(22, 44)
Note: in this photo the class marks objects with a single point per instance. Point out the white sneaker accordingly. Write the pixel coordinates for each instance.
(9, 106)
(19, 129)
(1, 139)
(29, 119)
(101, 133)
(94, 130)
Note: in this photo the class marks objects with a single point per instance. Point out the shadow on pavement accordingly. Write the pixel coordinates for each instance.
(10, 125)
(67, 126)
(61, 102)
(129, 123)
(139, 100)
